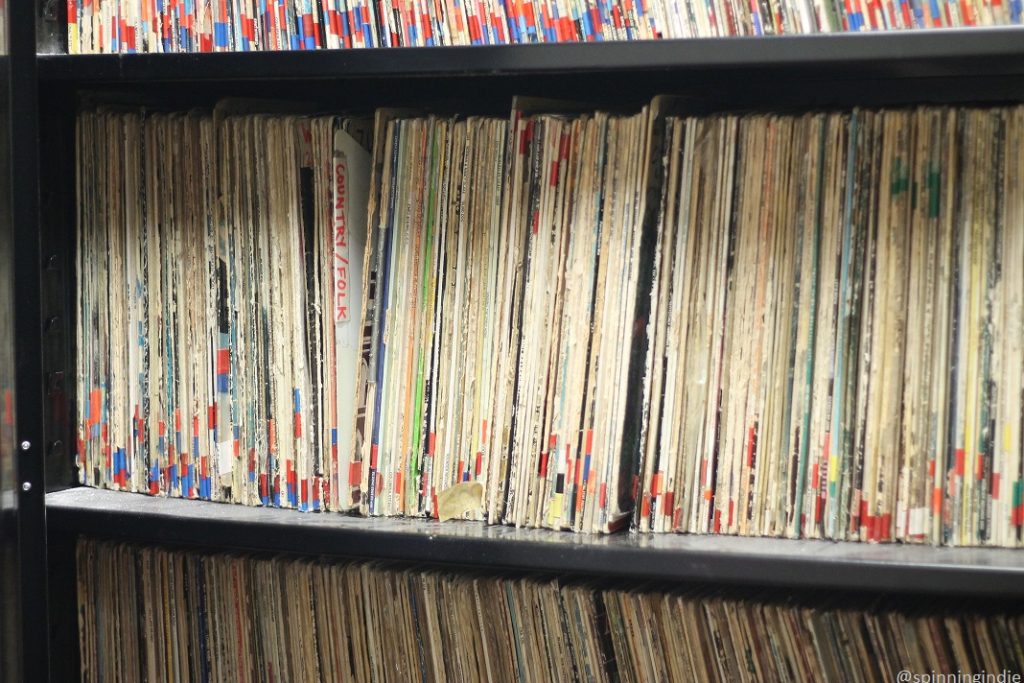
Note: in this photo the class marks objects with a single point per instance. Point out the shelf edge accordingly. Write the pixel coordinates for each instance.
(803, 564)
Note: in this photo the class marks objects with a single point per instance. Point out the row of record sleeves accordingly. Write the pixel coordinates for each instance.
(760, 324)
(150, 614)
(167, 26)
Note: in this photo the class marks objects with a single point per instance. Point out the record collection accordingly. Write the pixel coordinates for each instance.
(155, 614)
(761, 324)
(836, 328)
(219, 342)
(499, 353)
(166, 26)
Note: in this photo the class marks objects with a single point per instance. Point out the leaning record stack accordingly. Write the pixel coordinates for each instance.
(499, 355)
(836, 328)
(219, 340)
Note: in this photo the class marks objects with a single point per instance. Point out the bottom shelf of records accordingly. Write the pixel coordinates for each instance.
(145, 613)
(759, 562)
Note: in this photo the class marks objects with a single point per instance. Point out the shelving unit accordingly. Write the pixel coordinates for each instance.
(950, 66)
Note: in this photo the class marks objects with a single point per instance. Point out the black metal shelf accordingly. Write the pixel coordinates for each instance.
(806, 564)
(906, 54)
(800, 72)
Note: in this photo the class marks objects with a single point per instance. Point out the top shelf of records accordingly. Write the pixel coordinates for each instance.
(939, 53)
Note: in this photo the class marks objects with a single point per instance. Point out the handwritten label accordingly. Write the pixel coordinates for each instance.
(341, 239)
